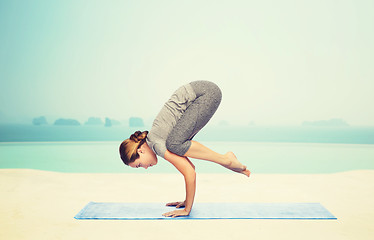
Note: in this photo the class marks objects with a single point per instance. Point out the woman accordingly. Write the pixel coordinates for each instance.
(186, 112)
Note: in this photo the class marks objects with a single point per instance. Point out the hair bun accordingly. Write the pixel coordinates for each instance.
(138, 136)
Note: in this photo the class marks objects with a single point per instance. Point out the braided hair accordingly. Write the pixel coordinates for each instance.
(128, 148)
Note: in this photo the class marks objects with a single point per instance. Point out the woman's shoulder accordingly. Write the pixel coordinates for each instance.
(157, 144)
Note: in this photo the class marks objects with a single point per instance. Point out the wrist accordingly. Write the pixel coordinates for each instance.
(188, 210)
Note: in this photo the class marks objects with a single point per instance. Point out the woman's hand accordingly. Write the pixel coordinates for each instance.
(177, 204)
(176, 213)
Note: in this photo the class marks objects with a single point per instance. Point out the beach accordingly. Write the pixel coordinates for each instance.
(39, 204)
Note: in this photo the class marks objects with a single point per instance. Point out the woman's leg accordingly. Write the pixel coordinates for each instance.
(196, 116)
(228, 160)
(193, 120)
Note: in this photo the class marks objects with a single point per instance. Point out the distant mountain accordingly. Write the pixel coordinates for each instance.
(66, 122)
(334, 122)
(111, 122)
(94, 121)
(108, 122)
(39, 121)
(136, 122)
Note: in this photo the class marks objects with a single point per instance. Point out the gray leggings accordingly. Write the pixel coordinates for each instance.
(196, 116)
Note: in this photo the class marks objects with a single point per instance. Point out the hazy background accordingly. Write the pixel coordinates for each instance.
(277, 62)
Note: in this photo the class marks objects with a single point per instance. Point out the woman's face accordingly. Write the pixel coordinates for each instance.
(147, 158)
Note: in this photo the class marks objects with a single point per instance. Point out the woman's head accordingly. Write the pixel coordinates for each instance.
(135, 151)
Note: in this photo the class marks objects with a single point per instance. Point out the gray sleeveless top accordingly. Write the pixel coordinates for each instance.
(168, 117)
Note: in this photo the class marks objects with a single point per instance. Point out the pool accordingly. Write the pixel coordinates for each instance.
(259, 157)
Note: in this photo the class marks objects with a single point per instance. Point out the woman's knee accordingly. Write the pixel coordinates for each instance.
(202, 87)
(215, 95)
(213, 90)
(218, 93)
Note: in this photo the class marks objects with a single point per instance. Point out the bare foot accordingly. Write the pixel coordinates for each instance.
(246, 172)
(235, 165)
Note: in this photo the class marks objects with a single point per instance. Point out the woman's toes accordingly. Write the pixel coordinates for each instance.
(247, 172)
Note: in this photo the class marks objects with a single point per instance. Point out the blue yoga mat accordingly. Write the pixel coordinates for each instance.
(144, 211)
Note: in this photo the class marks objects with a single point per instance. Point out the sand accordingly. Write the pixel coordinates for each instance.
(41, 205)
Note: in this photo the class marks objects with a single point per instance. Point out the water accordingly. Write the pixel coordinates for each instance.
(298, 134)
(262, 149)
(260, 157)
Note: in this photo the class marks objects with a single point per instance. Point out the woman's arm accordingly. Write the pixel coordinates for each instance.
(184, 166)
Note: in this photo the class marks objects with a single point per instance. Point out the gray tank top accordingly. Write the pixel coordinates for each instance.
(168, 117)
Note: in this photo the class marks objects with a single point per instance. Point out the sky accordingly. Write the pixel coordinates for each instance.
(276, 62)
